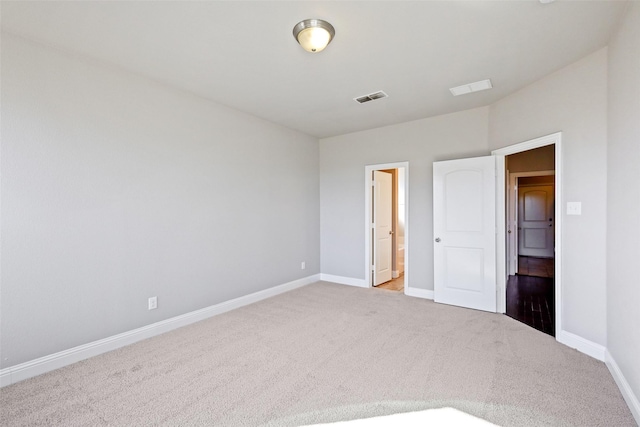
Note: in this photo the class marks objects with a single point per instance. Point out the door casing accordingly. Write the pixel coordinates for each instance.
(501, 220)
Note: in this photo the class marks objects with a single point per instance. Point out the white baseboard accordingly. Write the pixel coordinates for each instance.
(587, 347)
(623, 385)
(419, 293)
(343, 280)
(29, 369)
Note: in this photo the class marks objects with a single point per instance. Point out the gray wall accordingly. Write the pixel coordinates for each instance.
(116, 188)
(342, 178)
(572, 100)
(623, 186)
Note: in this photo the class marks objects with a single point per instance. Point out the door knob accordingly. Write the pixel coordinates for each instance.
(437, 240)
(391, 232)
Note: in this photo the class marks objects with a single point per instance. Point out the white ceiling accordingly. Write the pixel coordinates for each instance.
(242, 54)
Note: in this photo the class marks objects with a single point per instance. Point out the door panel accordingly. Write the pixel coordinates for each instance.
(465, 267)
(535, 238)
(383, 227)
(463, 189)
(536, 221)
(465, 233)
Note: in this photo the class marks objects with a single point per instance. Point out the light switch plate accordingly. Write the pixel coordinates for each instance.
(574, 208)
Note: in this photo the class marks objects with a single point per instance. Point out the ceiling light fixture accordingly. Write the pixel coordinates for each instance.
(313, 34)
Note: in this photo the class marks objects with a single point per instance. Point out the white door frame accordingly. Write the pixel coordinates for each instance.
(555, 138)
(368, 181)
(512, 216)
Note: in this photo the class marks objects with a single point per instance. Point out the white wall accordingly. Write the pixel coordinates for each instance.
(116, 188)
(572, 100)
(623, 226)
(342, 198)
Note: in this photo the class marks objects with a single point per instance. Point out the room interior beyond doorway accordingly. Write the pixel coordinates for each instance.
(398, 231)
(531, 229)
(396, 207)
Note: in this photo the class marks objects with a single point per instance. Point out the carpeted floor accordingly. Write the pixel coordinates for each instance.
(326, 353)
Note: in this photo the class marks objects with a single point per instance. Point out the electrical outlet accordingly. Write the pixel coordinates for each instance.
(303, 265)
(153, 303)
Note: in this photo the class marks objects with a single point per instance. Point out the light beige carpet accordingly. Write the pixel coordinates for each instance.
(327, 353)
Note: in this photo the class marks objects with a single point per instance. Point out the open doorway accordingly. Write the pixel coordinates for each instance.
(387, 227)
(530, 287)
(476, 185)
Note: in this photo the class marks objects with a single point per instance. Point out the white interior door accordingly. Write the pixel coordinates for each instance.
(536, 221)
(382, 227)
(464, 195)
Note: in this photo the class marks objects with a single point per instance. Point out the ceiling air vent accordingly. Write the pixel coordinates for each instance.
(370, 97)
(471, 87)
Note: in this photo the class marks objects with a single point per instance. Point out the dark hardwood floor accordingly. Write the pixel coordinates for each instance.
(540, 267)
(531, 300)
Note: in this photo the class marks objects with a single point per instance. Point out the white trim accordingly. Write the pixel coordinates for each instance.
(367, 219)
(419, 293)
(41, 365)
(501, 262)
(529, 145)
(585, 346)
(532, 173)
(556, 139)
(343, 280)
(623, 385)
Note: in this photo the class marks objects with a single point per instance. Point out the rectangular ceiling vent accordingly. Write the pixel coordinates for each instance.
(471, 87)
(371, 97)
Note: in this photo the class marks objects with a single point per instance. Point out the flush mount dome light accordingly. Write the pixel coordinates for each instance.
(313, 34)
